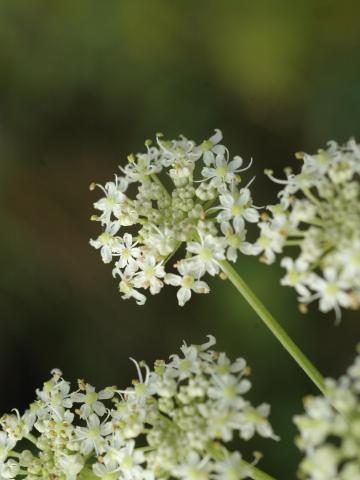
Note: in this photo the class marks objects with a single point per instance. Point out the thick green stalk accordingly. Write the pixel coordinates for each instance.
(257, 474)
(273, 325)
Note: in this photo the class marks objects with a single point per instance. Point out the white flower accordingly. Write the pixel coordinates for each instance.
(227, 389)
(331, 290)
(130, 462)
(296, 275)
(270, 242)
(9, 470)
(193, 468)
(149, 275)
(235, 241)
(114, 192)
(238, 209)
(92, 436)
(208, 252)
(71, 465)
(231, 468)
(222, 171)
(211, 147)
(128, 252)
(255, 420)
(91, 400)
(106, 242)
(127, 286)
(187, 281)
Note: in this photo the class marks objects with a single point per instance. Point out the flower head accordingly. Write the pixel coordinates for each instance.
(330, 430)
(319, 218)
(177, 198)
(174, 421)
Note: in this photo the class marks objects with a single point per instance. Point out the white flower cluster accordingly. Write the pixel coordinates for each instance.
(319, 215)
(198, 203)
(173, 422)
(330, 430)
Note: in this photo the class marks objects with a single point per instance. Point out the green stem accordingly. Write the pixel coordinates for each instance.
(291, 243)
(310, 196)
(257, 474)
(273, 325)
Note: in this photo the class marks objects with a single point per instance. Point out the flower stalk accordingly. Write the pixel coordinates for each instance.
(257, 474)
(276, 329)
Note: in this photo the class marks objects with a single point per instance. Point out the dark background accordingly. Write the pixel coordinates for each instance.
(82, 84)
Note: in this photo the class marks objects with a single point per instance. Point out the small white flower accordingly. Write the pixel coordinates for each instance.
(130, 462)
(114, 192)
(235, 241)
(127, 286)
(92, 436)
(227, 390)
(211, 147)
(193, 468)
(71, 465)
(222, 171)
(270, 242)
(9, 470)
(91, 400)
(296, 275)
(237, 209)
(127, 251)
(208, 252)
(231, 468)
(149, 275)
(106, 242)
(187, 281)
(331, 290)
(255, 420)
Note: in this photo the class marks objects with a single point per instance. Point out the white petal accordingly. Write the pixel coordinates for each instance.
(239, 224)
(251, 215)
(172, 279)
(183, 295)
(217, 137)
(106, 254)
(201, 287)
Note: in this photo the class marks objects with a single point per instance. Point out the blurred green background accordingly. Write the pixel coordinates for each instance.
(82, 84)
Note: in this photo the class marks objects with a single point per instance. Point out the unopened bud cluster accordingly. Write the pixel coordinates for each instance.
(173, 422)
(318, 218)
(330, 430)
(176, 197)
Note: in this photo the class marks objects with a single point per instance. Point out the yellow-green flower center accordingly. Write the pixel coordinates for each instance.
(104, 238)
(294, 277)
(222, 170)
(264, 242)
(206, 254)
(237, 210)
(91, 398)
(188, 281)
(332, 289)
